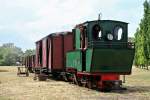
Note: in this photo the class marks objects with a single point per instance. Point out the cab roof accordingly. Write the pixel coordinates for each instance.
(105, 21)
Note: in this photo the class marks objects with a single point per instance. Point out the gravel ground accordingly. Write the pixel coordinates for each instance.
(13, 87)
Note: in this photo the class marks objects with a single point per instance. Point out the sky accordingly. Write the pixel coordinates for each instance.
(23, 22)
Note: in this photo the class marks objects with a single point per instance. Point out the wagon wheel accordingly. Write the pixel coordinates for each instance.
(42, 77)
(35, 77)
(27, 72)
(18, 73)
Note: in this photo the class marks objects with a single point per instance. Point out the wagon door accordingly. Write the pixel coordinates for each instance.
(44, 52)
(57, 53)
(49, 54)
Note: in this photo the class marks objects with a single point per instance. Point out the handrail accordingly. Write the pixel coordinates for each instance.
(103, 43)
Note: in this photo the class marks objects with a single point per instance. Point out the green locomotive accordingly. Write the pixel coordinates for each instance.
(102, 53)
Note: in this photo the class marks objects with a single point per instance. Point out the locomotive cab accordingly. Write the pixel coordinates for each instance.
(101, 34)
(107, 34)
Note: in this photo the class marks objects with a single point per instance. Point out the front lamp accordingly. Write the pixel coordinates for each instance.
(109, 36)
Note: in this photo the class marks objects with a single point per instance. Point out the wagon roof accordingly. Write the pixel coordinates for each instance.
(53, 34)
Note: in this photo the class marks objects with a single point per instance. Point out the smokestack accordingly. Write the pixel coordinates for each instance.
(99, 16)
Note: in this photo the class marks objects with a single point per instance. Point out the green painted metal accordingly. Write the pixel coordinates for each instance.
(89, 53)
(77, 38)
(74, 60)
(112, 60)
(103, 55)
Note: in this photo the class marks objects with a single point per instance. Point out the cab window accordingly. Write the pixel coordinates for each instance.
(97, 32)
(118, 32)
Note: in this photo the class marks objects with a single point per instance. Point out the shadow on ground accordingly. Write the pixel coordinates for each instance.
(134, 89)
(4, 71)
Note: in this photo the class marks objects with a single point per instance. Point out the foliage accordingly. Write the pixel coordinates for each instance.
(131, 39)
(142, 38)
(29, 52)
(10, 54)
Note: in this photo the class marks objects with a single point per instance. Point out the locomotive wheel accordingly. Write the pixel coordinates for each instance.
(79, 82)
(84, 84)
(89, 84)
(105, 89)
(75, 79)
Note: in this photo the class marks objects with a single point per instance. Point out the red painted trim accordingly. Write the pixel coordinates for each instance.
(70, 69)
(95, 73)
(100, 73)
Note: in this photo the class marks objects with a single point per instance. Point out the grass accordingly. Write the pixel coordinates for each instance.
(3, 70)
(4, 98)
(25, 88)
(139, 77)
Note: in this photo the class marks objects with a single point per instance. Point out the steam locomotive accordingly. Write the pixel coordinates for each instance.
(93, 55)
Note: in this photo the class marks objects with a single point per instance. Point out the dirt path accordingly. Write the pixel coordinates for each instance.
(25, 88)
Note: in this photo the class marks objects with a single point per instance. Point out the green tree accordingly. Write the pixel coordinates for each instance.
(146, 28)
(142, 38)
(10, 59)
(29, 52)
(139, 49)
(10, 54)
